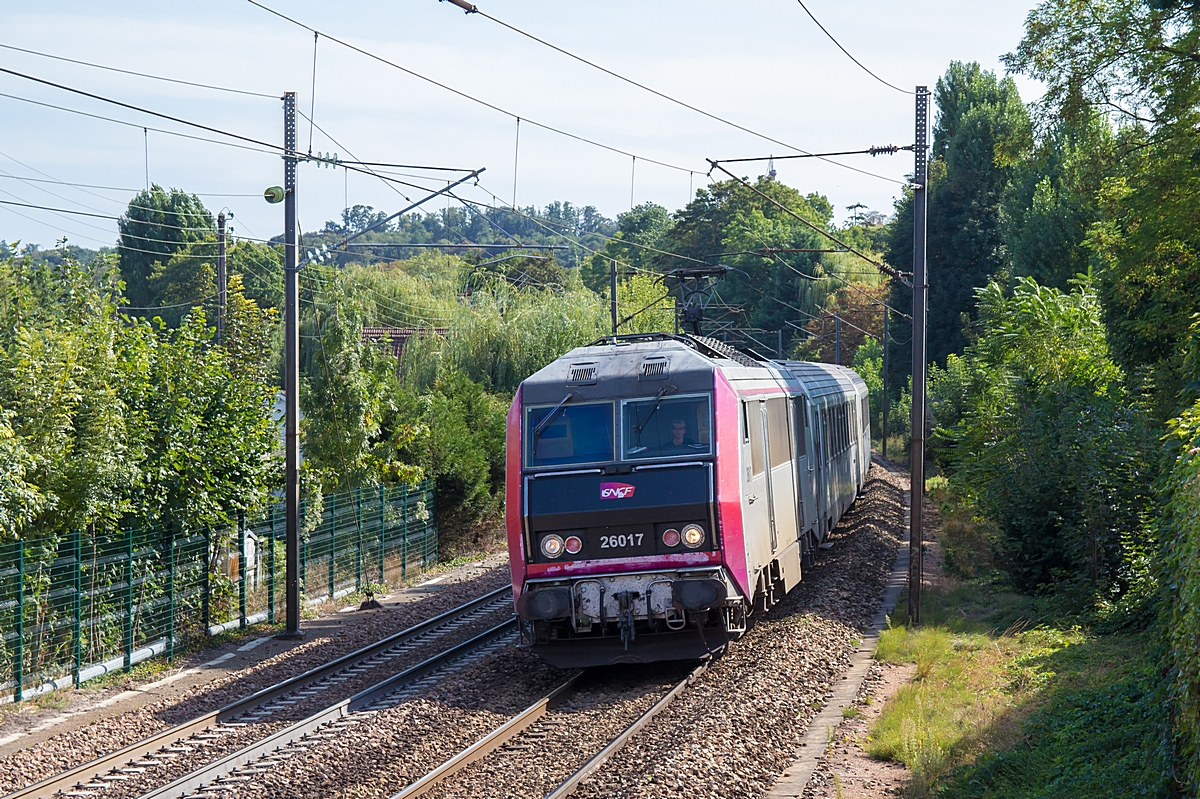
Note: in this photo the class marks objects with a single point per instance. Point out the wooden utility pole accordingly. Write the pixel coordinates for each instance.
(917, 424)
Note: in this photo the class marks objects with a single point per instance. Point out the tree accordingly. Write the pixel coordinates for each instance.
(1052, 201)
(981, 128)
(1037, 428)
(729, 223)
(642, 226)
(157, 224)
(1135, 62)
(186, 280)
(352, 428)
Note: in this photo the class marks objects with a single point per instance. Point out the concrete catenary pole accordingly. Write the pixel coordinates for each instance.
(917, 422)
(291, 377)
(612, 293)
(222, 285)
(837, 339)
(884, 408)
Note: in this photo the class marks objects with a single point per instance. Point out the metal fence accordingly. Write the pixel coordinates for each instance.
(78, 608)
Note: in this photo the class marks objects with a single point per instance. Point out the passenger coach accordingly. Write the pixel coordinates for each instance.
(663, 489)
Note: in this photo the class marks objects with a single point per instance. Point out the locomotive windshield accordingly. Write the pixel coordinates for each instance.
(569, 434)
(667, 427)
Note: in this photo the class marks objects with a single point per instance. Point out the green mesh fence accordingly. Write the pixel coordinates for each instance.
(74, 609)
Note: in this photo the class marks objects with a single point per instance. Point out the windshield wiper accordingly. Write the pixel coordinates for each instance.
(550, 417)
(637, 428)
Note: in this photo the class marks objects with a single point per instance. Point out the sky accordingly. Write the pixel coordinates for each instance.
(762, 64)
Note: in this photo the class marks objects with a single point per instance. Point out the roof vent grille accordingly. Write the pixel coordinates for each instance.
(655, 368)
(582, 374)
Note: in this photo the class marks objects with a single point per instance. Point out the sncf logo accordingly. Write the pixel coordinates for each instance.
(616, 490)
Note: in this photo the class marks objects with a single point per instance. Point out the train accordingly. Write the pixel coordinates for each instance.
(665, 490)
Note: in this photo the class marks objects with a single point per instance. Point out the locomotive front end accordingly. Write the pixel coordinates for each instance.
(614, 534)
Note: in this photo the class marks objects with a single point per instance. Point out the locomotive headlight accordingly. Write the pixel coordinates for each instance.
(552, 546)
(671, 537)
(693, 535)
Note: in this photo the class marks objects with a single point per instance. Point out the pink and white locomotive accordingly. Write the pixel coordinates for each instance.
(663, 489)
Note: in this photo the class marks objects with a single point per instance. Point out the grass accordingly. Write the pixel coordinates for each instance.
(1009, 701)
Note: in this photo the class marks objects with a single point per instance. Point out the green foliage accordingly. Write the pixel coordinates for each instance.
(1106, 741)
(261, 268)
(644, 225)
(460, 444)
(353, 428)
(1136, 62)
(981, 127)
(651, 306)
(1049, 445)
(187, 279)
(156, 225)
(728, 223)
(107, 419)
(1180, 570)
(506, 334)
(1052, 201)
(868, 362)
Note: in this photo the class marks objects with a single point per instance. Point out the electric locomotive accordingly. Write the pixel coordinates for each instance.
(662, 490)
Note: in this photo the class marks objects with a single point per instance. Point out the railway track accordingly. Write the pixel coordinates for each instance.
(106, 776)
(535, 723)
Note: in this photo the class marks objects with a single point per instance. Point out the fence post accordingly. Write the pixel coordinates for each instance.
(431, 517)
(128, 598)
(19, 659)
(241, 569)
(271, 571)
(332, 542)
(206, 582)
(382, 531)
(171, 595)
(303, 550)
(358, 557)
(404, 532)
(76, 607)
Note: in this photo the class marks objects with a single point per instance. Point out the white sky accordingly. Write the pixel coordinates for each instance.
(761, 63)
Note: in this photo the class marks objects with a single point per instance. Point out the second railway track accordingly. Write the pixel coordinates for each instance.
(552, 737)
(144, 766)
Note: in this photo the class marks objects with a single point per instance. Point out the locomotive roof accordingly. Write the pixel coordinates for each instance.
(641, 365)
(633, 366)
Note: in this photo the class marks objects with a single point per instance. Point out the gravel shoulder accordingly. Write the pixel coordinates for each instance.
(37, 741)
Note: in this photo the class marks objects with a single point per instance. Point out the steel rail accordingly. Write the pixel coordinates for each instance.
(154, 743)
(492, 741)
(587, 769)
(226, 766)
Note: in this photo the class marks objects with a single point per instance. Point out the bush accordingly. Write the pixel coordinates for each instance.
(1050, 446)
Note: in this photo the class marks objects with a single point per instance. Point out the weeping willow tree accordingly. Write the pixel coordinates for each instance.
(501, 334)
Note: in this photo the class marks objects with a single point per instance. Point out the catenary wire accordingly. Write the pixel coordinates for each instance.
(464, 95)
(847, 52)
(471, 9)
(27, 179)
(890, 271)
(139, 126)
(270, 149)
(139, 74)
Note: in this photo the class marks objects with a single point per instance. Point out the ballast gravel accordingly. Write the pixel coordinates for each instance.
(732, 732)
(728, 735)
(74, 747)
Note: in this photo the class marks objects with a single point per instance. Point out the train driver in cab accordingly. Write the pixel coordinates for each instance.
(679, 443)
